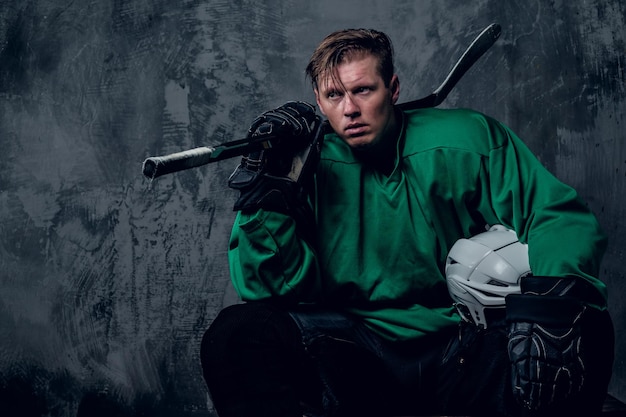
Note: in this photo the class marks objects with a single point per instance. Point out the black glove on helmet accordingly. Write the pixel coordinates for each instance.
(546, 345)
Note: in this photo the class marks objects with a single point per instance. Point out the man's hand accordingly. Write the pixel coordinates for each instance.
(294, 122)
(261, 177)
(545, 345)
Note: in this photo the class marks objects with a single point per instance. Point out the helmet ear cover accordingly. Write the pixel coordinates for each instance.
(482, 270)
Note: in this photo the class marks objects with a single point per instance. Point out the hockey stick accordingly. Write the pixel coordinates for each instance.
(160, 165)
(477, 48)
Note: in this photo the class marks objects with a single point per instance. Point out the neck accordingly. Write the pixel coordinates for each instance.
(381, 156)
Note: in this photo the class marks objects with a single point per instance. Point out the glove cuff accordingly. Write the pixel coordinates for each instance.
(545, 310)
(272, 194)
(569, 286)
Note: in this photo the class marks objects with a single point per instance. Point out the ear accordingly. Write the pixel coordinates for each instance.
(317, 100)
(394, 88)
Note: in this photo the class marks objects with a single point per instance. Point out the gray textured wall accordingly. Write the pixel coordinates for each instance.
(107, 280)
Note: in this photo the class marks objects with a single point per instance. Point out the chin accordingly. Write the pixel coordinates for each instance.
(359, 143)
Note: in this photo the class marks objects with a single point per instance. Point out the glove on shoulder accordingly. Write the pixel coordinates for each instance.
(545, 345)
(274, 179)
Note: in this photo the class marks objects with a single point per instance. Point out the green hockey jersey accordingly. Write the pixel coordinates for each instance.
(382, 240)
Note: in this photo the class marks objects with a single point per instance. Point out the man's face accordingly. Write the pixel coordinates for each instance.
(356, 102)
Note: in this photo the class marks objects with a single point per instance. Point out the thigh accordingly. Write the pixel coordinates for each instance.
(347, 357)
(367, 375)
(474, 377)
(254, 363)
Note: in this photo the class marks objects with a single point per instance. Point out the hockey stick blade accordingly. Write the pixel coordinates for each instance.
(477, 48)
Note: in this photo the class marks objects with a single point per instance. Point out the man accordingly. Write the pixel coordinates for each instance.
(346, 307)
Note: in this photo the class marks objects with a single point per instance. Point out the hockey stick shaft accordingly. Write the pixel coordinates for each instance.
(160, 165)
(156, 166)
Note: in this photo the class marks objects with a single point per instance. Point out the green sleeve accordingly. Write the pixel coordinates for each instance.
(563, 235)
(268, 260)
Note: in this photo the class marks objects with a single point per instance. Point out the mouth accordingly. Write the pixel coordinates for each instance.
(355, 129)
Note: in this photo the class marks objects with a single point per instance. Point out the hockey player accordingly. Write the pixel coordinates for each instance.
(346, 310)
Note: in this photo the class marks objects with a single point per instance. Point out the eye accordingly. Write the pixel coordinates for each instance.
(362, 90)
(333, 94)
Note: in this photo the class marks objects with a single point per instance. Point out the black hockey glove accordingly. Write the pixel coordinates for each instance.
(270, 179)
(545, 345)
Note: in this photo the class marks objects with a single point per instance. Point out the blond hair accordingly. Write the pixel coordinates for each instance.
(343, 45)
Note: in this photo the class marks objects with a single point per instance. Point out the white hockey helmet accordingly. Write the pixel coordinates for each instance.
(482, 270)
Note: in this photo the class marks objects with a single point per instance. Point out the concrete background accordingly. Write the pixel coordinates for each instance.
(108, 280)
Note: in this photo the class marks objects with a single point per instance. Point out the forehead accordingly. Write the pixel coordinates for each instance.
(352, 70)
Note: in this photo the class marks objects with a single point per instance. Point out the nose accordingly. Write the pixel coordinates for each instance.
(350, 108)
